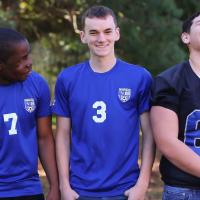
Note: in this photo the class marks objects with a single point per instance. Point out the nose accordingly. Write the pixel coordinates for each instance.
(29, 64)
(101, 37)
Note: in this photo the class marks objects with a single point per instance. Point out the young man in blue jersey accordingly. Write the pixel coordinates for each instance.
(25, 124)
(175, 117)
(100, 105)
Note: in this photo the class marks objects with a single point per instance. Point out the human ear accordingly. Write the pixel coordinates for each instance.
(117, 31)
(82, 36)
(185, 37)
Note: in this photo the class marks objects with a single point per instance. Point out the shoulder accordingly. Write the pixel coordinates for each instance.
(173, 77)
(37, 84)
(174, 73)
(134, 69)
(71, 71)
(36, 78)
(168, 86)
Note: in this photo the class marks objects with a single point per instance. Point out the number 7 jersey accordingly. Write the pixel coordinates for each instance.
(178, 89)
(104, 109)
(21, 104)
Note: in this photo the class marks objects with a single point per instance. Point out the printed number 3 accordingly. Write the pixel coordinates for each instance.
(13, 117)
(101, 111)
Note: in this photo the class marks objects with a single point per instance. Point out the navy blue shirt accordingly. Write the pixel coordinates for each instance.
(178, 90)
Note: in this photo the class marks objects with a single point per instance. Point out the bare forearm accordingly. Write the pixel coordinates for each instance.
(166, 131)
(47, 158)
(182, 157)
(62, 154)
(148, 155)
(139, 190)
(148, 151)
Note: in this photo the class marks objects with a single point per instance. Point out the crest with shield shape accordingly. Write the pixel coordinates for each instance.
(124, 94)
(29, 105)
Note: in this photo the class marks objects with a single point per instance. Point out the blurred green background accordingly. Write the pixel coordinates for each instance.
(150, 31)
(150, 36)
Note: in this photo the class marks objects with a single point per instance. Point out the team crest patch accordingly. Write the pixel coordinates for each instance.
(124, 94)
(29, 105)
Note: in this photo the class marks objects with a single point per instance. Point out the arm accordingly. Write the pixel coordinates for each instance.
(165, 131)
(138, 191)
(63, 135)
(47, 155)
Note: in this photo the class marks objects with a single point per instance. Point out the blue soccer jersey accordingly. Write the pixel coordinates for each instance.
(104, 109)
(21, 103)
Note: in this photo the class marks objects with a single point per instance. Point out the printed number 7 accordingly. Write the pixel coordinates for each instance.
(13, 117)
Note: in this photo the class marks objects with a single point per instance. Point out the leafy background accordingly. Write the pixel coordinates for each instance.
(150, 36)
(150, 31)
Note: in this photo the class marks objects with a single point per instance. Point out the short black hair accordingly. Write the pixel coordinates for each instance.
(98, 11)
(8, 37)
(188, 22)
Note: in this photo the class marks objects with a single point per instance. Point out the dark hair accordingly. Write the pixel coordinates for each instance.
(98, 11)
(8, 37)
(188, 22)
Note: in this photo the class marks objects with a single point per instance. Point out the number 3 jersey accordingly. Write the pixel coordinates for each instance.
(104, 109)
(178, 89)
(21, 104)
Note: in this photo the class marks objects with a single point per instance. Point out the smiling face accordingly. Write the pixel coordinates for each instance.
(19, 64)
(100, 34)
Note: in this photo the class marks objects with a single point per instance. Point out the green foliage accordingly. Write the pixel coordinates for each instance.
(188, 7)
(150, 31)
(4, 16)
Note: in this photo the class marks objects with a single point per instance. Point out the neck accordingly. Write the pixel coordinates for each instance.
(103, 64)
(194, 60)
(5, 81)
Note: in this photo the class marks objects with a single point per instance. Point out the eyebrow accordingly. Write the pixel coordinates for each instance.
(94, 30)
(108, 29)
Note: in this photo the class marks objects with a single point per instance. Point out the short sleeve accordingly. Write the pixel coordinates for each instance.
(44, 108)
(145, 93)
(164, 94)
(61, 101)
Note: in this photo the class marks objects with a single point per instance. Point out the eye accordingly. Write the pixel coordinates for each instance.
(25, 57)
(197, 23)
(18, 65)
(93, 33)
(108, 31)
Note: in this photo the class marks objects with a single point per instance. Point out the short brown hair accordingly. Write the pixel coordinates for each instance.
(98, 11)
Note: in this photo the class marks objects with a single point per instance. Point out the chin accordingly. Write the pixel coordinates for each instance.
(23, 78)
(102, 54)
